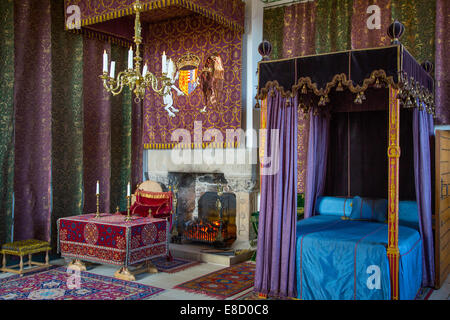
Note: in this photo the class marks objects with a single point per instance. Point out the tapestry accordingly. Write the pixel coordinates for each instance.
(32, 120)
(110, 240)
(59, 283)
(442, 62)
(224, 283)
(6, 119)
(174, 265)
(67, 121)
(205, 96)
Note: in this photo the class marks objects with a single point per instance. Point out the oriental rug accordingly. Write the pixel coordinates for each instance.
(224, 283)
(173, 266)
(252, 295)
(59, 283)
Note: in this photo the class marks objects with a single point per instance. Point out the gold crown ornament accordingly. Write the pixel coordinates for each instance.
(188, 61)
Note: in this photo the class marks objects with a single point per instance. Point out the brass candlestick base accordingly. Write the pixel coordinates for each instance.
(128, 217)
(97, 214)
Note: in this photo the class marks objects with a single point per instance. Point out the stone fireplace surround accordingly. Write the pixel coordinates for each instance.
(240, 179)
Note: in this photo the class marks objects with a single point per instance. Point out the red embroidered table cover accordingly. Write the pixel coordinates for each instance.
(110, 240)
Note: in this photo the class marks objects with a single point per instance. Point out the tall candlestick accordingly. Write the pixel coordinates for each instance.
(105, 61)
(113, 69)
(130, 58)
(128, 217)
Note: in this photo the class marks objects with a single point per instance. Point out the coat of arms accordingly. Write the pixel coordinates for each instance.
(188, 69)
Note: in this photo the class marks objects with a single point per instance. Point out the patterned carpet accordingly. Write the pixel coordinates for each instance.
(173, 266)
(254, 296)
(57, 283)
(224, 283)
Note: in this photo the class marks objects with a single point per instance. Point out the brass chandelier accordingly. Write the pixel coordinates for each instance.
(136, 80)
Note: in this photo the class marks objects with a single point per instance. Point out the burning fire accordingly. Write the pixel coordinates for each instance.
(204, 231)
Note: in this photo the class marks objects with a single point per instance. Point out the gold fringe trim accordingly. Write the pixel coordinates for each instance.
(163, 4)
(378, 78)
(216, 145)
(103, 37)
(154, 195)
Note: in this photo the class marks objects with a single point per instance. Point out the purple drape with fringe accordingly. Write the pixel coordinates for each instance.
(423, 130)
(275, 262)
(316, 167)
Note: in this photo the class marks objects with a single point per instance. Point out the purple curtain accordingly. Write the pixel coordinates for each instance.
(97, 127)
(316, 167)
(137, 147)
(423, 130)
(275, 262)
(32, 96)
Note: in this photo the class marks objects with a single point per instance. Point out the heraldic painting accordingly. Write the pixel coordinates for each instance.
(203, 60)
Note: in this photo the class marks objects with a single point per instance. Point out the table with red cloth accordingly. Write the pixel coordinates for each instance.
(109, 239)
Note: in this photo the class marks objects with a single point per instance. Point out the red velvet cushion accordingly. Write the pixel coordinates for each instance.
(160, 204)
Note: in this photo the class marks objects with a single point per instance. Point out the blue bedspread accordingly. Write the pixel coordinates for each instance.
(345, 260)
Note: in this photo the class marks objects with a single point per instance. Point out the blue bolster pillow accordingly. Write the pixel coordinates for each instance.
(369, 209)
(334, 206)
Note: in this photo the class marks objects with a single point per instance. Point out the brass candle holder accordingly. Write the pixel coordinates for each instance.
(97, 214)
(128, 217)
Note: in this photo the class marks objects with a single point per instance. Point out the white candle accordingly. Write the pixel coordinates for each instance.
(128, 189)
(97, 190)
(144, 72)
(164, 62)
(113, 69)
(171, 67)
(105, 61)
(130, 58)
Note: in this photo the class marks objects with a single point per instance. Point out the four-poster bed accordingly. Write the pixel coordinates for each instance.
(354, 101)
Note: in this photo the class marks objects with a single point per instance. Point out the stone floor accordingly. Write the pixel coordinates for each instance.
(168, 280)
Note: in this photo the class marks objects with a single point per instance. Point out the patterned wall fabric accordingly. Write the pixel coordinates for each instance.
(443, 61)
(333, 25)
(121, 132)
(363, 37)
(33, 120)
(418, 16)
(67, 120)
(6, 119)
(202, 37)
(273, 30)
(64, 123)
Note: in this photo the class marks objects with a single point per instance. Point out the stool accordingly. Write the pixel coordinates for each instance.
(25, 247)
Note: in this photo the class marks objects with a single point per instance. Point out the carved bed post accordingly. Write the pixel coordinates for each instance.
(393, 186)
(262, 141)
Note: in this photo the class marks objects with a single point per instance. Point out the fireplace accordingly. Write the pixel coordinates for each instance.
(196, 221)
(216, 223)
